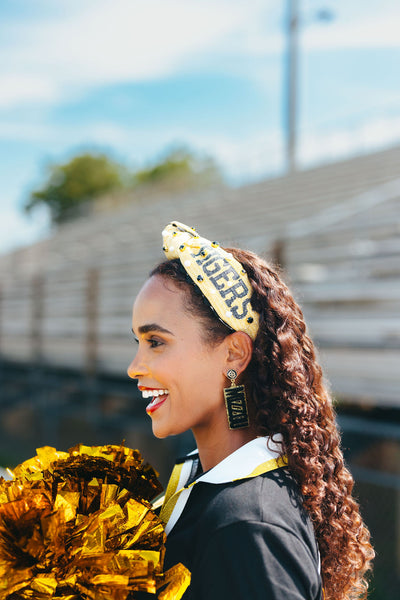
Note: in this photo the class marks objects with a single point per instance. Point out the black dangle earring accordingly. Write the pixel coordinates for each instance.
(235, 402)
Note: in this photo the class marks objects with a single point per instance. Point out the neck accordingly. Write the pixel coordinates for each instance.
(217, 444)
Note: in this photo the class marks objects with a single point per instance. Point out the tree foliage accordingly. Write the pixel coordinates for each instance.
(74, 185)
(179, 166)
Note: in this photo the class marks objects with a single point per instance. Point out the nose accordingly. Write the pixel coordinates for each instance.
(137, 368)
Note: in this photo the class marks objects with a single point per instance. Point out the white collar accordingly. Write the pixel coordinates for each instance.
(244, 461)
(256, 457)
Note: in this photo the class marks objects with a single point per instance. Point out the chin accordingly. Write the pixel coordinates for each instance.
(159, 432)
(162, 432)
(160, 435)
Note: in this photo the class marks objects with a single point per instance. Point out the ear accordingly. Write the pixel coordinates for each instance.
(239, 351)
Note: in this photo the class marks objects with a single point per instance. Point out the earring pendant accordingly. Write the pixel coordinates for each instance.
(236, 403)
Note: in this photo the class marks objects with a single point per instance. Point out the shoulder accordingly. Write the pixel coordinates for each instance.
(272, 498)
(255, 540)
(247, 538)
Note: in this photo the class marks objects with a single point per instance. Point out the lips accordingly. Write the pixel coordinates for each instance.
(158, 395)
(156, 403)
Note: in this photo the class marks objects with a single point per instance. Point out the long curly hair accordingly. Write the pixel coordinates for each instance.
(287, 395)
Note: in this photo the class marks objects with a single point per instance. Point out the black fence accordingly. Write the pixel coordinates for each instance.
(371, 442)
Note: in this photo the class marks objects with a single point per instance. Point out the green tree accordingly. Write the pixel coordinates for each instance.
(75, 184)
(179, 168)
(82, 181)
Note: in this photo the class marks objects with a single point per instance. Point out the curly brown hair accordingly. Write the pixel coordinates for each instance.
(287, 395)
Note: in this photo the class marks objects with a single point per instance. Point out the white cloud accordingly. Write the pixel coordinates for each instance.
(112, 41)
(56, 136)
(370, 31)
(263, 155)
(353, 25)
(323, 146)
(22, 131)
(97, 42)
(241, 157)
(26, 88)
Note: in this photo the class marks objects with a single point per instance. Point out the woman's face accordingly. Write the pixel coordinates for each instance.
(181, 375)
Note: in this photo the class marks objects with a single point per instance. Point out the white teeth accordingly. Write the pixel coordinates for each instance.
(153, 393)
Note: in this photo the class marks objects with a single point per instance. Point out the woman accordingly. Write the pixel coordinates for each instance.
(263, 508)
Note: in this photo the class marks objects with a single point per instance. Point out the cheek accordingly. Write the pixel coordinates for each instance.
(207, 377)
(170, 368)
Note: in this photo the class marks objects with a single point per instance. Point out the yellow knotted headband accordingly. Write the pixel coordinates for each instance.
(219, 276)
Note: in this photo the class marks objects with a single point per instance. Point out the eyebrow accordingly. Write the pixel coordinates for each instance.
(152, 327)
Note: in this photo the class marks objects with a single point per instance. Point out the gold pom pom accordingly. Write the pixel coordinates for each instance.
(80, 525)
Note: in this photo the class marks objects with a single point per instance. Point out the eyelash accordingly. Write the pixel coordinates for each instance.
(154, 343)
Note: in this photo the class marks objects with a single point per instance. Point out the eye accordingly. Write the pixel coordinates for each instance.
(154, 342)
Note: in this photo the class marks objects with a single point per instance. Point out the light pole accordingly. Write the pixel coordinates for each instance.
(291, 78)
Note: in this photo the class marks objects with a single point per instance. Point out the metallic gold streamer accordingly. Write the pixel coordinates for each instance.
(79, 525)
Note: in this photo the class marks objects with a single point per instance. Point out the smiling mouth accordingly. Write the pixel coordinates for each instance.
(158, 396)
(156, 403)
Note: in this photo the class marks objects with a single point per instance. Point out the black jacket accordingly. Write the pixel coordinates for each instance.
(247, 540)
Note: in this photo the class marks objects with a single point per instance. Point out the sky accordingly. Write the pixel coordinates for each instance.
(133, 78)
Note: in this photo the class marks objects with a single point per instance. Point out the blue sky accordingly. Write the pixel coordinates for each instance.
(133, 77)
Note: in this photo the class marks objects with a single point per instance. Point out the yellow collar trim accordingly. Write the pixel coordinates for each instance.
(254, 458)
(172, 494)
